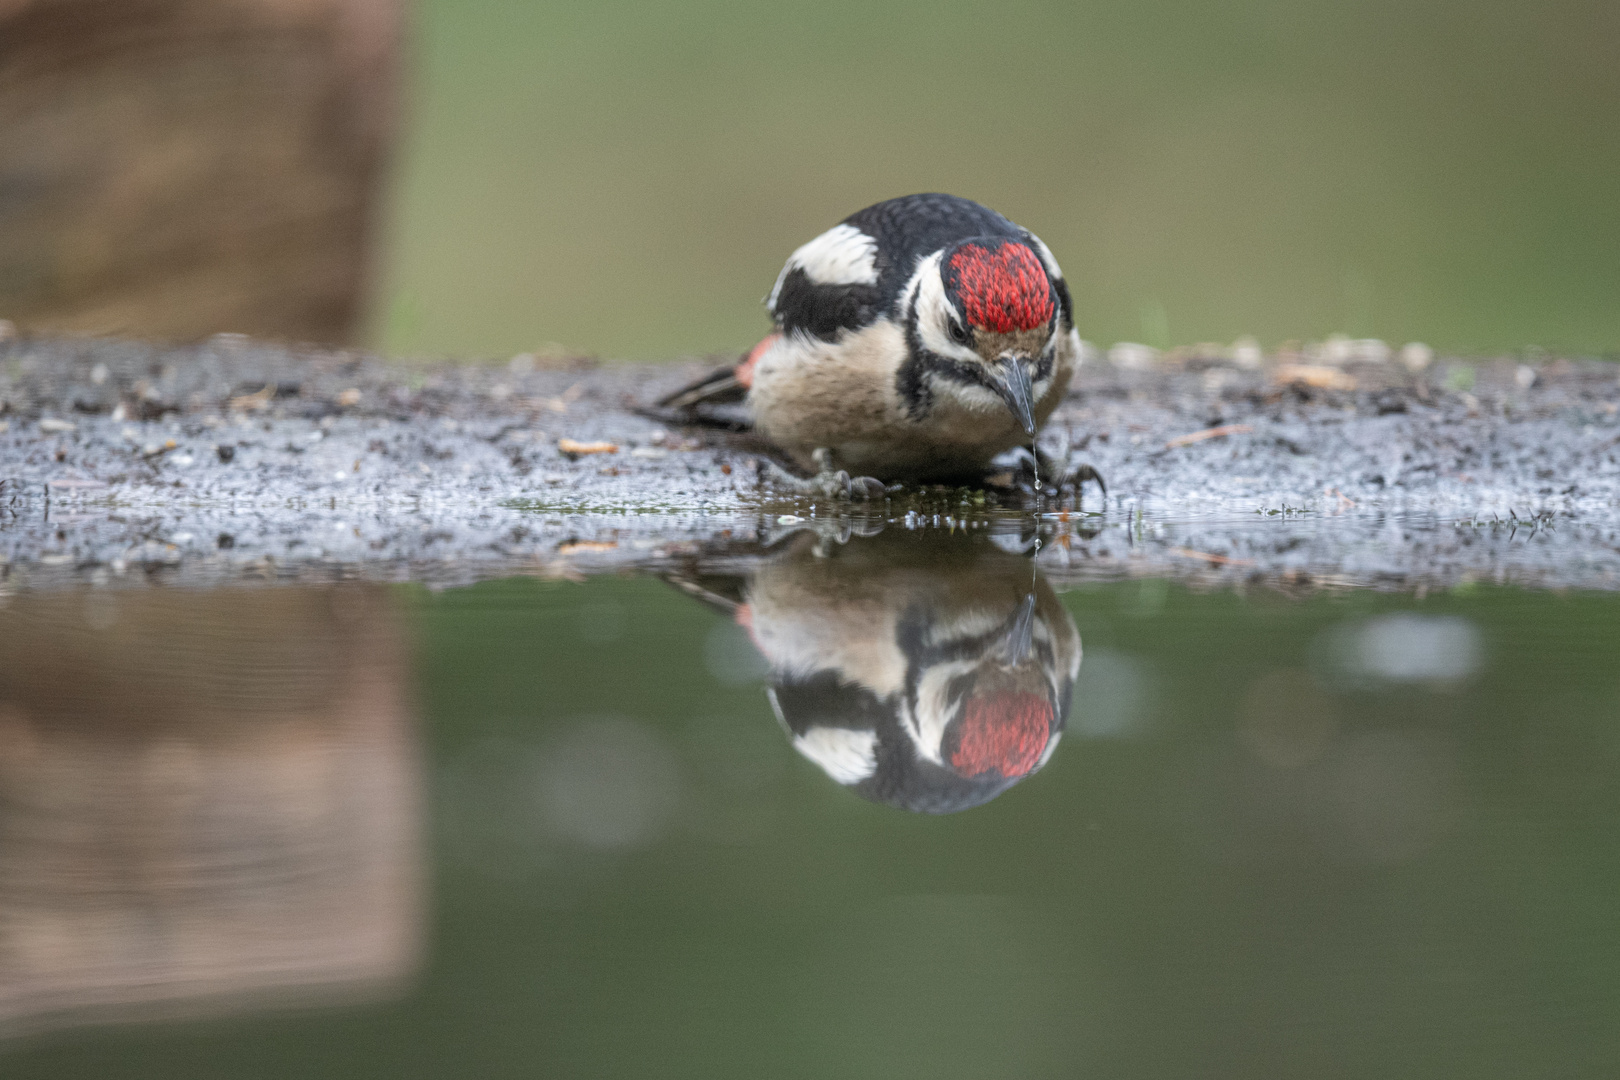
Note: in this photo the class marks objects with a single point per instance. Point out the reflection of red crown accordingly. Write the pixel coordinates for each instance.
(1005, 733)
(1002, 290)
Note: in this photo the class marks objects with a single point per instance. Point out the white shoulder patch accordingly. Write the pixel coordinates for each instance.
(843, 255)
(846, 755)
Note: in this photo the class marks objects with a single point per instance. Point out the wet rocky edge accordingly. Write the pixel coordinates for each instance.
(236, 461)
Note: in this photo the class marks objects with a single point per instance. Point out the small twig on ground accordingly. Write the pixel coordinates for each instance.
(1218, 560)
(1315, 376)
(574, 449)
(1208, 433)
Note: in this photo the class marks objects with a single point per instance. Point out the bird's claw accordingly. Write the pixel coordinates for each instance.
(868, 488)
(1081, 474)
(835, 483)
(1038, 473)
(1066, 479)
(838, 484)
(829, 483)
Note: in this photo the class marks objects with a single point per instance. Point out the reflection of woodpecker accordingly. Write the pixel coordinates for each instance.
(928, 674)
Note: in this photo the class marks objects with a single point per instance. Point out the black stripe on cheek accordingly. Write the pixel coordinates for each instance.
(912, 382)
(1065, 303)
(909, 381)
(1044, 364)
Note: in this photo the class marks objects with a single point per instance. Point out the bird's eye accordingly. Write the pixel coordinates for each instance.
(957, 331)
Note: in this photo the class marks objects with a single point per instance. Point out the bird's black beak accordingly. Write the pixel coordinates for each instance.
(1014, 387)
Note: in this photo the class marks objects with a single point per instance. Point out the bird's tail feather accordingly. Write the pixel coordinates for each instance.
(726, 386)
(720, 387)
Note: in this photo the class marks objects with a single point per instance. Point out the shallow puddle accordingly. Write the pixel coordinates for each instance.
(886, 807)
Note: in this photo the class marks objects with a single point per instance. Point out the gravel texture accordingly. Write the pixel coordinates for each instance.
(238, 461)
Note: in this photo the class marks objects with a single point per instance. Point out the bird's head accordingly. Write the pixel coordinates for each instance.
(986, 704)
(984, 318)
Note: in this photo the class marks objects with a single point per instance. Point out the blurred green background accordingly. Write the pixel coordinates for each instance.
(626, 177)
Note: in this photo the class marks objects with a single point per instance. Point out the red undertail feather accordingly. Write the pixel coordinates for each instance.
(721, 387)
(745, 370)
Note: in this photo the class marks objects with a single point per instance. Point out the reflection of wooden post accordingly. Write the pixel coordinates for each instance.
(176, 168)
(205, 799)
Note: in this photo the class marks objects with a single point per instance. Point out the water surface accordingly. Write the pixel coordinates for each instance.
(542, 827)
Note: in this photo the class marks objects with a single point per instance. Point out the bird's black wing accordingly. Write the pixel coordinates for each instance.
(721, 592)
(824, 698)
(718, 387)
(896, 233)
(822, 311)
(912, 227)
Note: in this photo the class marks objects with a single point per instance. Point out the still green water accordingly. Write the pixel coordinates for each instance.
(544, 828)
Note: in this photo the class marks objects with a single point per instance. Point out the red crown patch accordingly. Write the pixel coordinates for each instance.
(1002, 290)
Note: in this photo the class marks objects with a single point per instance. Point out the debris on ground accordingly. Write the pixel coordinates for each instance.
(117, 457)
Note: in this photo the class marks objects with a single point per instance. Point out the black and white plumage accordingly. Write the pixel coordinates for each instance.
(931, 673)
(914, 341)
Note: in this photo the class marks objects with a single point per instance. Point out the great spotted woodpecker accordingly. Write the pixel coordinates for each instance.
(914, 341)
(929, 673)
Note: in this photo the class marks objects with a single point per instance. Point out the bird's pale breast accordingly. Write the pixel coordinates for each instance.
(844, 396)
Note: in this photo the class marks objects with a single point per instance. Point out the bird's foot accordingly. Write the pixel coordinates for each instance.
(828, 483)
(1080, 474)
(1035, 472)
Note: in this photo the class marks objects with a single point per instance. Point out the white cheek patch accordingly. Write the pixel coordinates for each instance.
(1061, 346)
(934, 708)
(926, 292)
(843, 255)
(846, 755)
(1070, 344)
(970, 396)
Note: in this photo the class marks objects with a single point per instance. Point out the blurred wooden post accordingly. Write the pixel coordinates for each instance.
(209, 802)
(171, 169)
